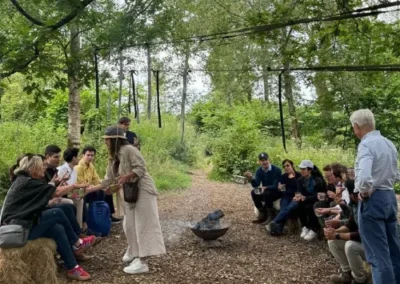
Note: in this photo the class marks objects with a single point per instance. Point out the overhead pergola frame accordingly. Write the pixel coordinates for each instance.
(354, 68)
(340, 68)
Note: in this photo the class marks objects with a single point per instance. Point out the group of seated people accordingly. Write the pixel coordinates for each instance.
(41, 199)
(324, 203)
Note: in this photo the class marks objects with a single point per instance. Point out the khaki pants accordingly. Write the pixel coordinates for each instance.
(79, 203)
(350, 255)
(142, 227)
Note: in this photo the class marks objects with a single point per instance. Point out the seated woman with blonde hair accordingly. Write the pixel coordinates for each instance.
(26, 204)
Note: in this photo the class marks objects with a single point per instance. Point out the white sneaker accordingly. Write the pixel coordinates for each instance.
(127, 256)
(137, 266)
(304, 232)
(310, 236)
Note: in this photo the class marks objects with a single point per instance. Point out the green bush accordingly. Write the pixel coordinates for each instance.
(167, 160)
(239, 133)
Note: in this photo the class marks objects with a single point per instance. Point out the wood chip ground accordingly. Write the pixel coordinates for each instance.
(248, 254)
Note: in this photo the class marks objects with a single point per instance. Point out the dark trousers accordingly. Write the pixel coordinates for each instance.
(70, 212)
(288, 206)
(307, 216)
(268, 197)
(377, 220)
(109, 200)
(54, 224)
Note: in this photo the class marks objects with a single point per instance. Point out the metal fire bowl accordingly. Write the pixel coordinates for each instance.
(210, 235)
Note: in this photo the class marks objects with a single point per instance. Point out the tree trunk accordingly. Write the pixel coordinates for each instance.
(288, 79)
(184, 94)
(265, 76)
(148, 82)
(324, 98)
(74, 108)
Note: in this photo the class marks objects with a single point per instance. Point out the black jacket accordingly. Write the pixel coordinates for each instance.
(26, 199)
(310, 188)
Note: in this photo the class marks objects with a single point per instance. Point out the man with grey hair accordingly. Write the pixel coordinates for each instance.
(376, 172)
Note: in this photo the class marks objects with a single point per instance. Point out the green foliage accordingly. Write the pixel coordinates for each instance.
(239, 133)
(167, 162)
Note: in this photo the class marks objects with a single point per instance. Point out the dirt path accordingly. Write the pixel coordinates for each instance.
(248, 254)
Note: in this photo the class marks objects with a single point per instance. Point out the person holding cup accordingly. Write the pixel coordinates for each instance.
(267, 175)
(310, 183)
(288, 184)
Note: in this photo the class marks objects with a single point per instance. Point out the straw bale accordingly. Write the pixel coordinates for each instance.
(32, 264)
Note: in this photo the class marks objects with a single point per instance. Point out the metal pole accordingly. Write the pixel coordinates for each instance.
(281, 111)
(121, 78)
(158, 97)
(96, 67)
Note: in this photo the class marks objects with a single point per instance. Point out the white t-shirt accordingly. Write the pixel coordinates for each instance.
(66, 168)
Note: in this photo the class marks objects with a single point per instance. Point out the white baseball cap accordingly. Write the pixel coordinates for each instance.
(306, 164)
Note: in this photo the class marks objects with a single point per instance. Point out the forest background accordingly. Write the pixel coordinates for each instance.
(218, 95)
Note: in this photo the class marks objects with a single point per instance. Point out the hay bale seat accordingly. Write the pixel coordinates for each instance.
(32, 264)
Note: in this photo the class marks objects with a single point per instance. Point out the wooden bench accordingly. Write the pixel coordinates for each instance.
(32, 264)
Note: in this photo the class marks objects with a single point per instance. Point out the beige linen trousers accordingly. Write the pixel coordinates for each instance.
(141, 223)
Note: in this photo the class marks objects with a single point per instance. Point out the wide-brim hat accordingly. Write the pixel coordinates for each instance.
(114, 132)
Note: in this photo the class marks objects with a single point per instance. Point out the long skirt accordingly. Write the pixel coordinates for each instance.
(142, 227)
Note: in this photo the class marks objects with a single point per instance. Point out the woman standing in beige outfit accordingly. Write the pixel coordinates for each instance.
(141, 223)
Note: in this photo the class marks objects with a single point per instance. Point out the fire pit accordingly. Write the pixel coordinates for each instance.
(209, 229)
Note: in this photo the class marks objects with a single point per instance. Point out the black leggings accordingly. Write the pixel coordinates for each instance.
(307, 217)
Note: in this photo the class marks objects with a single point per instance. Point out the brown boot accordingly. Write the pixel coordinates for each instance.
(342, 278)
(261, 218)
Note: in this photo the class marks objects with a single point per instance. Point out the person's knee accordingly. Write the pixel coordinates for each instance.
(331, 245)
(319, 204)
(350, 248)
(56, 212)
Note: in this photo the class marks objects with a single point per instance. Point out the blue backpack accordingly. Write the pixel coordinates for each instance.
(98, 218)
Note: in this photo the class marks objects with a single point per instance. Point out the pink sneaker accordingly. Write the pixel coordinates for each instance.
(87, 243)
(78, 273)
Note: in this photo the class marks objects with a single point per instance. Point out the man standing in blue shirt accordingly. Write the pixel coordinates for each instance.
(267, 175)
(376, 172)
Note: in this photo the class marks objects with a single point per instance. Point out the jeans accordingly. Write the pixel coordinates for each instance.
(268, 197)
(287, 207)
(377, 220)
(70, 212)
(54, 224)
(307, 216)
(350, 256)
